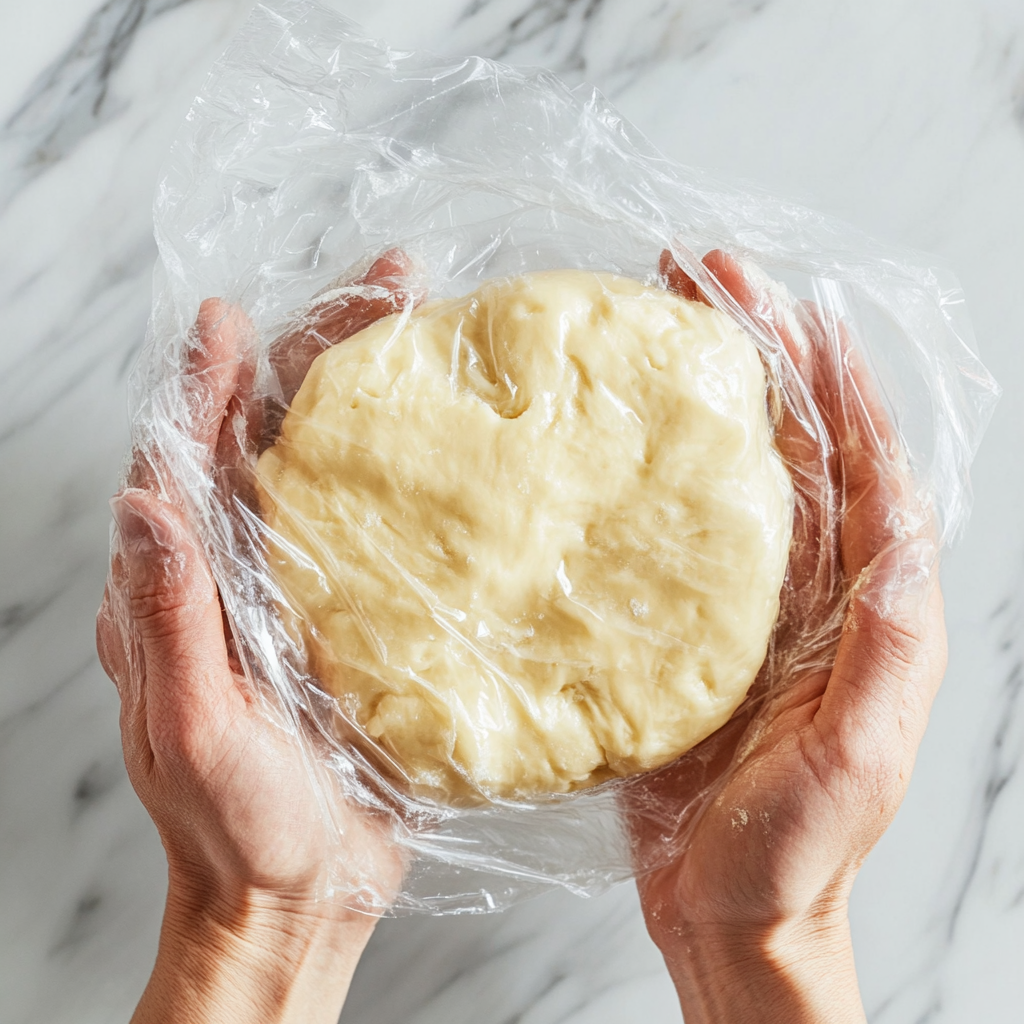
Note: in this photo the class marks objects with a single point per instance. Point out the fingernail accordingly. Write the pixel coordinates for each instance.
(897, 583)
(132, 527)
(145, 542)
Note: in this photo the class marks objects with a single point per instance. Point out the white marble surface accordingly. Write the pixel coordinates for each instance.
(903, 116)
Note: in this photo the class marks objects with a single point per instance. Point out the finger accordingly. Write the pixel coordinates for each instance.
(870, 470)
(766, 303)
(393, 270)
(384, 289)
(919, 697)
(892, 650)
(213, 365)
(120, 651)
(678, 280)
(174, 609)
(110, 643)
(770, 312)
(800, 437)
(763, 304)
(877, 493)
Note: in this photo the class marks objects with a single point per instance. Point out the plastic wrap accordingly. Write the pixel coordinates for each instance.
(321, 182)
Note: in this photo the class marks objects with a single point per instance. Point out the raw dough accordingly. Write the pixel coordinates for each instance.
(536, 535)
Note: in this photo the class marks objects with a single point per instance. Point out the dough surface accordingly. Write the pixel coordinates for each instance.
(536, 535)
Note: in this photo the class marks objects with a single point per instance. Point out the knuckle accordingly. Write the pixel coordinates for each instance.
(161, 613)
(114, 646)
(107, 646)
(870, 761)
(181, 739)
(864, 750)
(887, 647)
(900, 646)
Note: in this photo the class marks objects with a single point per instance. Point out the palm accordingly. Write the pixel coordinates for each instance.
(248, 785)
(813, 770)
(221, 768)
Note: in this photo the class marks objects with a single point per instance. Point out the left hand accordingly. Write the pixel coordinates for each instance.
(245, 936)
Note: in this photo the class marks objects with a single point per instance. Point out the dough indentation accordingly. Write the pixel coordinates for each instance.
(535, 536)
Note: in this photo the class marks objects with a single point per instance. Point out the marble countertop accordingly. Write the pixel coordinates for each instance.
(906, 119)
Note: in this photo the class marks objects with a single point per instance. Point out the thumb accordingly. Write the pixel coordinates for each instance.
(893, 640)
(173, 604)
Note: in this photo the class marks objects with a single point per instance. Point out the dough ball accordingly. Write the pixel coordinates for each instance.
(535, 535)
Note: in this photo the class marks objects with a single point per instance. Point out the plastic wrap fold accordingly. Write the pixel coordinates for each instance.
(321, 182)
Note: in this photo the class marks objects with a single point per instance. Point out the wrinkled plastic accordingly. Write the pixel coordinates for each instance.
(311, 152)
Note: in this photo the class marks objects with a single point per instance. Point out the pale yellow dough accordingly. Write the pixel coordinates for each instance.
(536, 535)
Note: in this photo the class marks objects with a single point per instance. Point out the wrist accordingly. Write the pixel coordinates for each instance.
(251, 955)
(798, 971)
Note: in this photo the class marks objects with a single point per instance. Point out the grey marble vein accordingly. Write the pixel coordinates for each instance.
(16, 720)
(907, 118)
(542, 19)
(19, 614)
(69, 99)
(591, 38)
(97, 781)
(83, 923)
(75, 356)
(1006, 746)
(924, 985)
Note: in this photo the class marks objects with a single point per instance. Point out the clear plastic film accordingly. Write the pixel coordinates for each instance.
(325, 187)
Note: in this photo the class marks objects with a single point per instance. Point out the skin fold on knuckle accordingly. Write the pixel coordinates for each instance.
(109, 647)
(170, 603)
(198, 735)
(860, 756)
(138, 756)
(885, 645)
(867, 775)
(902, 643)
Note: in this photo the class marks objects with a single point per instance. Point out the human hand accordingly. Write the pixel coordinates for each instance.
(244, 935)
(751, 915)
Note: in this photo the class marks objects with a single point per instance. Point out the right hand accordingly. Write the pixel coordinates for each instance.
(751, 913)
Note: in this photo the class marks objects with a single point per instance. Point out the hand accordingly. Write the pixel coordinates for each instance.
(244, 935)
(751, 914)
